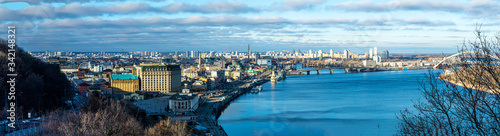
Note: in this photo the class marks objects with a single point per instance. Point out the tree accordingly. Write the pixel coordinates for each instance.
(39, 86)
(464, 101)
(105, 116)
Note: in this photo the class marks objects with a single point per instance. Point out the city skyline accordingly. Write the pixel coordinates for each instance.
(434, 26)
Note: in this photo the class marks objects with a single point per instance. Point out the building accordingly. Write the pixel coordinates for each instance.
(267, 62)
(369, 63)
(310, 53)
(159, 78)
(97, 69)
(347, 54)
(384, 54)
(95, 88)
(181, 103)
(83, 88)
(320, 54)
(375, 52)
(331, 53)
(182, 106)
(124, 82)
(133, 96)
(194, 54)
(371, 53)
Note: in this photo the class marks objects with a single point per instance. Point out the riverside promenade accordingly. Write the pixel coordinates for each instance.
(218, 100)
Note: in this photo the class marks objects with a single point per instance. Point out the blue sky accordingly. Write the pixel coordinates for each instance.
(400, 26)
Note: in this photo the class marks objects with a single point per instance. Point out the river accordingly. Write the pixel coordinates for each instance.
(325, 104)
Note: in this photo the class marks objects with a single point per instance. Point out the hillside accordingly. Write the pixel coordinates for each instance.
(39, 86)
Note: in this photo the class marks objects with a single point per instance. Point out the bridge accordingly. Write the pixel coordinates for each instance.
(461, 53)
(308, 71)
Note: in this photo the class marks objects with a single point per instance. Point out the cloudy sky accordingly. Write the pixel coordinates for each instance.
(400, 26)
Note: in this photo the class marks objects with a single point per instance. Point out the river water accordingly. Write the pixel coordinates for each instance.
(325, 104)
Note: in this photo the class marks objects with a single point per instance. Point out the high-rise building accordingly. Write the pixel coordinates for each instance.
(211, 54)
(371, 53)
(320, 54)
(375, 51)
(195, 54)
(384, 54)
(331, 53)
(346, 54)
(310, 53)
(159, 78)
(249, 52)
(124, 82)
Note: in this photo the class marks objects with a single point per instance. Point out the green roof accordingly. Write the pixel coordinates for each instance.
(123, 77)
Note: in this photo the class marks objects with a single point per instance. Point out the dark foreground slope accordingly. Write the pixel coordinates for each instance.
(39, 86)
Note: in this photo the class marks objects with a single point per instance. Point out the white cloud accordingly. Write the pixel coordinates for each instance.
(299, 4)
(475, 8)
(212, 7)
(43, 11)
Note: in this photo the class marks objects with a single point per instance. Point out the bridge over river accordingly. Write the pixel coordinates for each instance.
(347, 70)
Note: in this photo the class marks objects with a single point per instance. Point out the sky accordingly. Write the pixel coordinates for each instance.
(400, 26)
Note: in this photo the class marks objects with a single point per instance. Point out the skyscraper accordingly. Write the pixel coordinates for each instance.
(371, 53)
(194, 54)
(346, 54)
(310, 53)
(331, 53)
(320, 54)
(384, 54)
(249, 52)
(375, 51)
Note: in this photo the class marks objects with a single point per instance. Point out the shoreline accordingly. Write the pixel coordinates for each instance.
(464, 85)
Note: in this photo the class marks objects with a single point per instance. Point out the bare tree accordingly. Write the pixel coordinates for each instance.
(103, 116)
(463, 101)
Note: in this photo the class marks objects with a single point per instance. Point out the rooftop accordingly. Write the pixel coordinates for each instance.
(123, 77)
(183, 97)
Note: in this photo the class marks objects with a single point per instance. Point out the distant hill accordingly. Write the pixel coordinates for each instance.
(39, 86)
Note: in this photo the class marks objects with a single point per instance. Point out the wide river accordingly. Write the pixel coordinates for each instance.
(325, 104)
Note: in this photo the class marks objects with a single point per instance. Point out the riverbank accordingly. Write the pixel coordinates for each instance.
(209, 112)
(450, 79)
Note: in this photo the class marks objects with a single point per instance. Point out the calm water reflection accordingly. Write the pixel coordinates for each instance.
(325, 104)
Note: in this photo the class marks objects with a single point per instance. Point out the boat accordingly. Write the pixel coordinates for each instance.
(256, 89)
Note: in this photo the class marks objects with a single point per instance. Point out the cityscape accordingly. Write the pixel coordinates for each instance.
(218, 68)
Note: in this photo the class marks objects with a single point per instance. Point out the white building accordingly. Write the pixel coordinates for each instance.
(182, 103)
(320, 53)
(331, 53)
(310, 53)
(97, 69)
(346, 54)
(371, 53)
(267, 62)
(369, 63)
